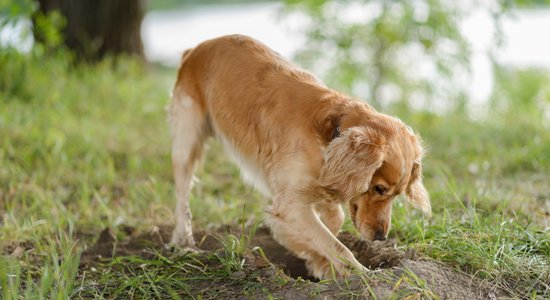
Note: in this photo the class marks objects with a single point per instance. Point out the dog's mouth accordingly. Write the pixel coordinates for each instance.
(367, 234)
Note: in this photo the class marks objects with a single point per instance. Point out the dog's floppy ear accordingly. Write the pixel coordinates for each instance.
(416, 192)
(350, 161)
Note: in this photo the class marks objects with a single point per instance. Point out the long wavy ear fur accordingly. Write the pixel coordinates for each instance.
(416, 192)
(350, 162)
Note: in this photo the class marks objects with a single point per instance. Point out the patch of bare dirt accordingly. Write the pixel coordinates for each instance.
(394, 272)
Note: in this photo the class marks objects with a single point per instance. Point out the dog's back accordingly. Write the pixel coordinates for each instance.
(251, 97)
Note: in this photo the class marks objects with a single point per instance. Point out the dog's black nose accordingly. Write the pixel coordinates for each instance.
(379, 235)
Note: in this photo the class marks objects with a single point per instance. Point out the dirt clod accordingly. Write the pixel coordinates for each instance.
(373, 255)
(107, 236)
(17, 252)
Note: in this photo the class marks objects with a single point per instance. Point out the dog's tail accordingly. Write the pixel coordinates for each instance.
(185, 55)
(179, 81)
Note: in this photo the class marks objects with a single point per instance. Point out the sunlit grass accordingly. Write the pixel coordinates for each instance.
(49, 271)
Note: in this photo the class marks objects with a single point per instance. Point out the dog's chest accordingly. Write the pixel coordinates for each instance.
(250, 172)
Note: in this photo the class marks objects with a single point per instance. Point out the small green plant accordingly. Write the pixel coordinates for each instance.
(54, 278)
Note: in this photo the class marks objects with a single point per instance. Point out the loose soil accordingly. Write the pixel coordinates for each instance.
(395, 273)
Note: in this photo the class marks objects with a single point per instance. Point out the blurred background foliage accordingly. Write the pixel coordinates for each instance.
(390, 53)
(369, 47)
(409, 53)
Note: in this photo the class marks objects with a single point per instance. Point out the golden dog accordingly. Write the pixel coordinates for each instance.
(308, 148)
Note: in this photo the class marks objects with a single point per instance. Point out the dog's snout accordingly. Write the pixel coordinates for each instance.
(379, 235)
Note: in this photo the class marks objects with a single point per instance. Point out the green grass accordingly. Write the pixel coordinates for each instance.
(83, 148)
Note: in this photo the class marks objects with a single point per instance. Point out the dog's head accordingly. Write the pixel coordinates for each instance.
(368, 165)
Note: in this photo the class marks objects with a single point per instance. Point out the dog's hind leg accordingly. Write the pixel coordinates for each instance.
(188, 126)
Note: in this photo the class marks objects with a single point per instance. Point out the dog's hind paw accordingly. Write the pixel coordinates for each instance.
(183, 250)
(182, 238)
(179, 245)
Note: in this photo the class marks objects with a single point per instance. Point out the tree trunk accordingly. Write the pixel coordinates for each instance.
(96, 28)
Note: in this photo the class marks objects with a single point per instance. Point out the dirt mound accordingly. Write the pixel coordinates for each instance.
(448, 283)
(394, 272)
(377, 254)
(371, 254)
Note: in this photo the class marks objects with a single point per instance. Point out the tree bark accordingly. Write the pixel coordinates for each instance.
(96, 28)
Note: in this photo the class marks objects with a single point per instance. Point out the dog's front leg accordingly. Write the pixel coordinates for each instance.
(331, 215)
(297, 227)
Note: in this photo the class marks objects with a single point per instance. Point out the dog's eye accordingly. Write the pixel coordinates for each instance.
(380, 189)
(354, 208)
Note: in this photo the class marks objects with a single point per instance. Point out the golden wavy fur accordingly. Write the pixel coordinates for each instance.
(308, 148)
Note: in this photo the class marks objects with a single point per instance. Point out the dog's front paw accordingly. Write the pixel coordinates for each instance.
(321, 268)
